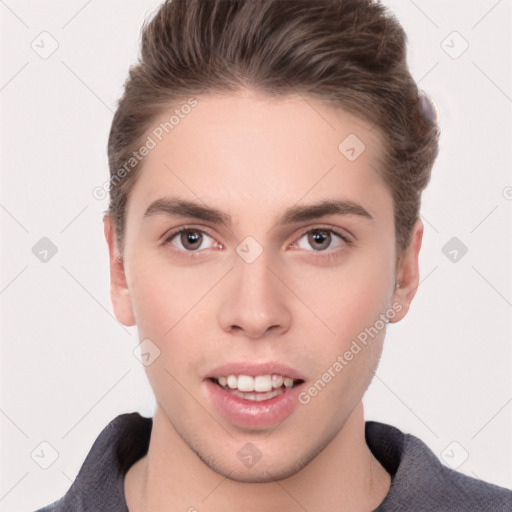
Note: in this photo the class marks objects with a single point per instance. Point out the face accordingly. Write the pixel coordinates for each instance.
(260, 261)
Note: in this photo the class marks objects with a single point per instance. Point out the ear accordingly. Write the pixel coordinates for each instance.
(119, 292)
(407, 272)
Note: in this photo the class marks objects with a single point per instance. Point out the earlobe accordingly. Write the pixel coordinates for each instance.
(119, 291)
(407, 273)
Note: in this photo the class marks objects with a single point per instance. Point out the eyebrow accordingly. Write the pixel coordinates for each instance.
(295, 214)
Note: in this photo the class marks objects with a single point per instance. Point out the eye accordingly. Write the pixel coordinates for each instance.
(321, 239)
(190, 240)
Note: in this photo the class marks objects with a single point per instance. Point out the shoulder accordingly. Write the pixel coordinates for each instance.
(421, 483)
(99, 483)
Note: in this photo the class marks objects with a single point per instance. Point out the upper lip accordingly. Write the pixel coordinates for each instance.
(253, 370)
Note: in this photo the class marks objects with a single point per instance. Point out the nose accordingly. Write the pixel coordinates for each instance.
(254, 301)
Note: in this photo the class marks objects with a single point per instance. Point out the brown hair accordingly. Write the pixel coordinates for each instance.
(346, 53)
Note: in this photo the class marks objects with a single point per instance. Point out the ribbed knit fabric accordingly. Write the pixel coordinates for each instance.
(420, 483)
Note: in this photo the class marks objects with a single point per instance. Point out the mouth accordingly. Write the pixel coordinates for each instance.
(254, 396)
(258, 388)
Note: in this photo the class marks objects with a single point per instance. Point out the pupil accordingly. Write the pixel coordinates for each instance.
(321, 238)
(191, 238)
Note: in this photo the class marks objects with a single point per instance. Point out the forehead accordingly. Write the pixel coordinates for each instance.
(238, 148)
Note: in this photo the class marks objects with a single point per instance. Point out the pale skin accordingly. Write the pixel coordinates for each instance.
(301, 303)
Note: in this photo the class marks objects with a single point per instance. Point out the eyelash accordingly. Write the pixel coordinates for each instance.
(325, 254)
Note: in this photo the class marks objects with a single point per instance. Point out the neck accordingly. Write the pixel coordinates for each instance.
(343, 476)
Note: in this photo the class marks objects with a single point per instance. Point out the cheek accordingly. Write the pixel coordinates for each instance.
(165, 296)
(345, 299)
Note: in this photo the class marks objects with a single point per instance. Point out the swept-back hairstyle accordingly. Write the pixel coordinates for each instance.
(346, 53)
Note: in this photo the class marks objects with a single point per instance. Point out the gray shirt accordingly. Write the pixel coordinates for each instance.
(420, 483)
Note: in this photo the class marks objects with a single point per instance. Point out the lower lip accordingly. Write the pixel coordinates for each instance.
(250, 413)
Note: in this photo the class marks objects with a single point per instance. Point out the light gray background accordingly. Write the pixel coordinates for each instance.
(67, 366)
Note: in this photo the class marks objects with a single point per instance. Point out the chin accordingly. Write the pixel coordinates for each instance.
(258, 475)
(262, 471)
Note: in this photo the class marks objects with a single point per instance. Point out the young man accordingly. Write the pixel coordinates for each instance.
(267, 162)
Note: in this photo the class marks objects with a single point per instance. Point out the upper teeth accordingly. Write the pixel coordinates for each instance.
(258, 383)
